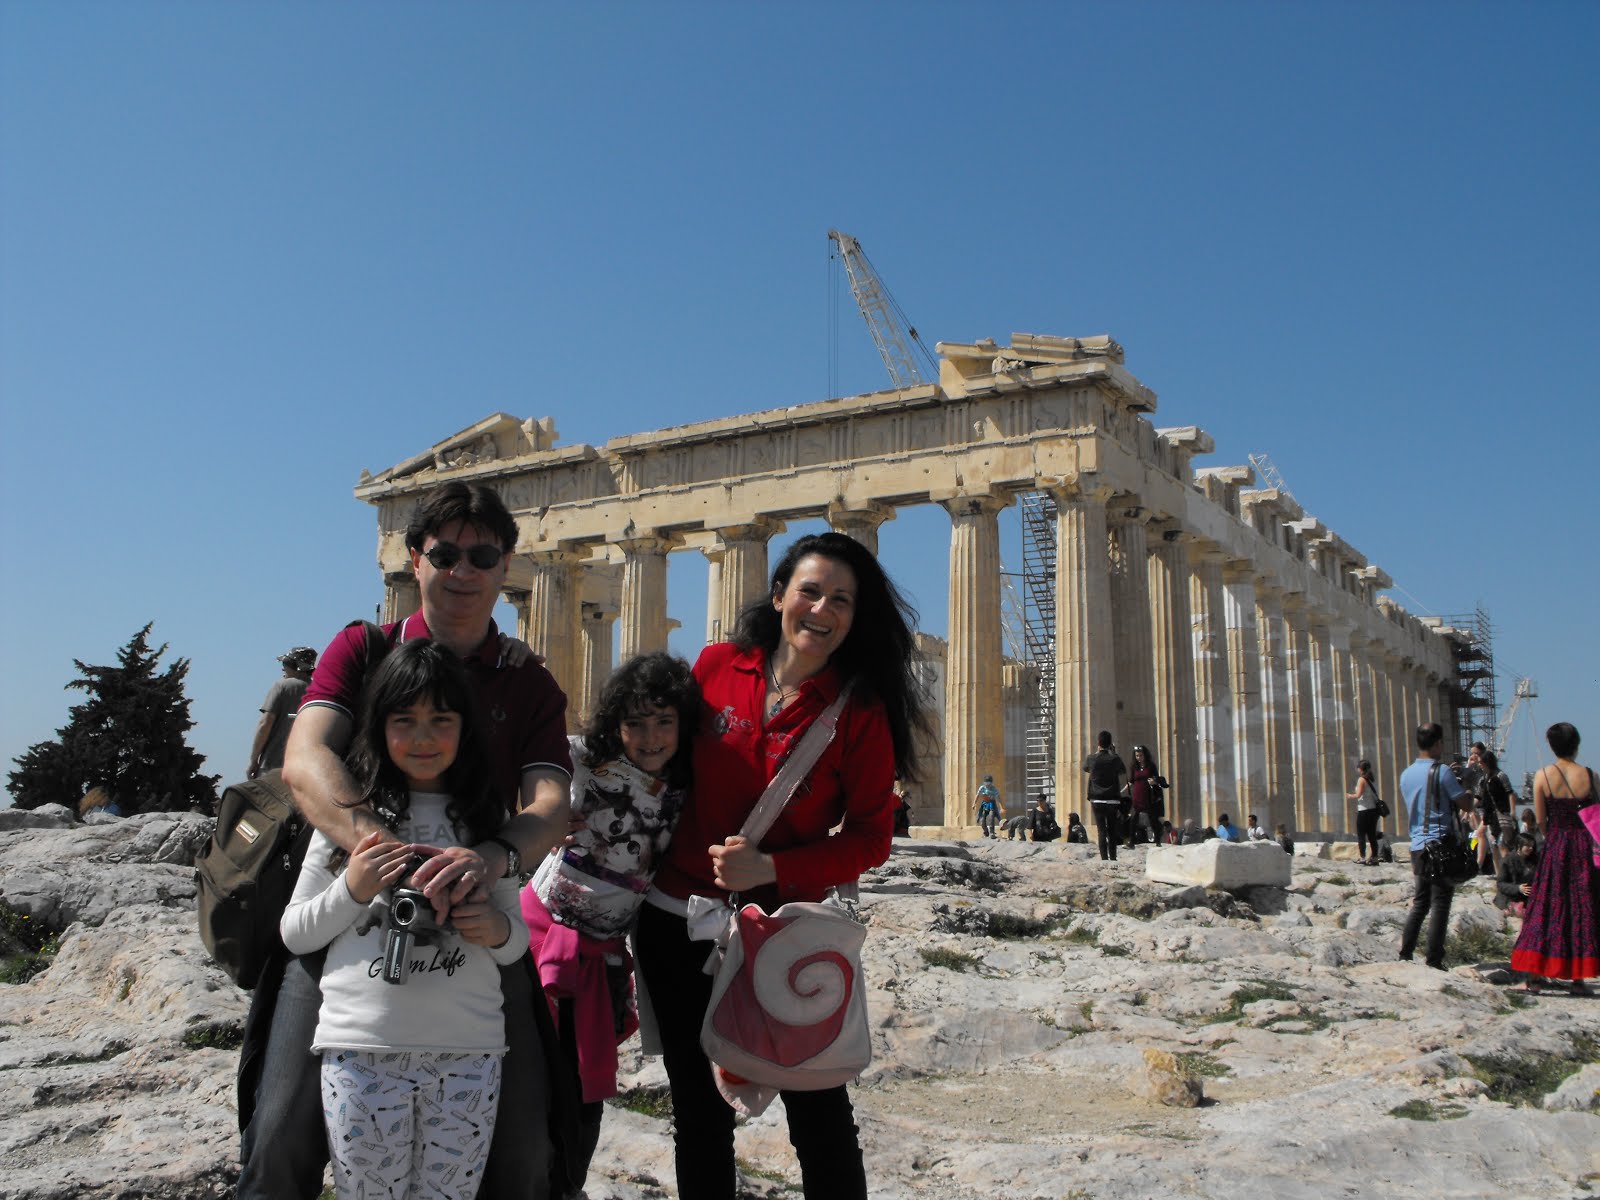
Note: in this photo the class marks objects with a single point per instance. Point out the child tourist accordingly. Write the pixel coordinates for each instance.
(411, 1029)
(630, 778)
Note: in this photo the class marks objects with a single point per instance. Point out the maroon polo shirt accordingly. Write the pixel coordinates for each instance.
(523, 708)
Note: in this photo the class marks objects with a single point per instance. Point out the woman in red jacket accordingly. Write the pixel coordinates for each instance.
(833, 617)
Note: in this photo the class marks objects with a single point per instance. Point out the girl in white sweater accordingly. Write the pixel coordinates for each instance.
(411, 1029)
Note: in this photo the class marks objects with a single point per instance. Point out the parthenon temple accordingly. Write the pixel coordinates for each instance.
(1213, 620)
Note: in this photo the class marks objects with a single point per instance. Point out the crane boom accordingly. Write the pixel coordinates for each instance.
(1526, 689)
(891, 332)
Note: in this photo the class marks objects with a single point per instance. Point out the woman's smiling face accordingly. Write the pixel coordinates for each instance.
(817, 608)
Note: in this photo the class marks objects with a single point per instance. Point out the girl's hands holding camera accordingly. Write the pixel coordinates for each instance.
(480, 924)
(377, 862)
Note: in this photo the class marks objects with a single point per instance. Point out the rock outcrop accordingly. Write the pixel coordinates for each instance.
(1036, 1014)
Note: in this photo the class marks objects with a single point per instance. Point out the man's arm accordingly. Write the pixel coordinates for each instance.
(263, 732)
(313, 767)
(541, 823)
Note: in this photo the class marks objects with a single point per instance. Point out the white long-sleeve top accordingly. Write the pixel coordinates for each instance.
(451, 1001)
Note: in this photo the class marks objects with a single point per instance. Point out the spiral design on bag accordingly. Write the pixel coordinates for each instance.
(799, 982)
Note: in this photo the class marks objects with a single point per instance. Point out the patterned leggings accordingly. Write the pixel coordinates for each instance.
(409, 1124)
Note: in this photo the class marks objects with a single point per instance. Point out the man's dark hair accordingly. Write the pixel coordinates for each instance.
(1429, 735)
(1563, 739)
(1222, 819)
(1104, 740)
(454, 503)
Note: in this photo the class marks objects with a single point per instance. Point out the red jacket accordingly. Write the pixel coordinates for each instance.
(736, 756)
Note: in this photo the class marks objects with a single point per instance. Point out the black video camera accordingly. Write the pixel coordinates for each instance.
(410, 922)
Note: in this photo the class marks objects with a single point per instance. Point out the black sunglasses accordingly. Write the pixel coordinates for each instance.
(445, 555)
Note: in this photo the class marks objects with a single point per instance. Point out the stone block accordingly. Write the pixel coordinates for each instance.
(1219, 864)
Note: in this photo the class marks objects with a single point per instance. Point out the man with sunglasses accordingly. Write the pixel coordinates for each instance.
(459, 540)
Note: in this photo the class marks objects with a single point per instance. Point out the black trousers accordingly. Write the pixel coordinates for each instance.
(1108, 827)
(1430, 901)
(821, 1124)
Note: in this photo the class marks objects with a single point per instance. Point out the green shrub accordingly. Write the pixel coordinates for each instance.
(1200, 1065)
(653, 1102)
(1476, 944)
(1526, 1079)
(1427, 1110)
(1248, 994)
(952, 960)
(33, 945)
(214, 1035)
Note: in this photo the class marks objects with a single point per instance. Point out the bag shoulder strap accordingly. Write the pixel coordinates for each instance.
(794, 770)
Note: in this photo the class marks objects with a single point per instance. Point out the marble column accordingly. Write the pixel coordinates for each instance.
(555, 613)
(1366, 714)
(1382, 661)
(1344, 677)
(974, 723)
(1172, 641)
(401, 596)
(1276, 722)
(1213, 691)
(594, 661)
(1131, 636)
(1306, 763)
(1244, 673)
(739, 573)
(1085, 676)
(860, 522)
(644, 595)
(1330, 747)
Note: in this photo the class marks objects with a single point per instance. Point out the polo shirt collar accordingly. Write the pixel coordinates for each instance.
(488, 651)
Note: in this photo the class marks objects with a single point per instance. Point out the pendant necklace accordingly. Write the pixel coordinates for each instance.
(784, 696)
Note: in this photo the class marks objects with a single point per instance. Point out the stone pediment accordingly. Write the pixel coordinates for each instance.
(498, 437)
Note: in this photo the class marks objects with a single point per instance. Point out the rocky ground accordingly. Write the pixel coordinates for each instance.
(1040, 1019)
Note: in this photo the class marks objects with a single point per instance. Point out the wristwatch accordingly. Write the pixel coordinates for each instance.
(513, 856)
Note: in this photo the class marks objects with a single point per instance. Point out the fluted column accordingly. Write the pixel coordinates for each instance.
(1344, 677)
(401, 596)
(1172, 644)
(860, 522)
(644, 595)
(1244, 673)
(594, 661)
(739, 573)
(1381, 662)
(1366, 727)
(1325, 709)
(974, 724)
(1130, 627)
(1086, 699)
(1275, 716)
(555, 613)
(1305, 764)
(1213, 690)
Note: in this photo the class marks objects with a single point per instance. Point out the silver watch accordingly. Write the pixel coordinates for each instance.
(513, 856)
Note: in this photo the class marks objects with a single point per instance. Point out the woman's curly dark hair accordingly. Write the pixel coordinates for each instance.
(879, 654)
(641, 684)
(417, 670)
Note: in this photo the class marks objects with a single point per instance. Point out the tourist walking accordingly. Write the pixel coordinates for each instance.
(1106, 771)
(1367, 814)
(1432, 797)
(1145, 786)
(832, 619)
(990, 811)
(1559, 938)
(278, 709)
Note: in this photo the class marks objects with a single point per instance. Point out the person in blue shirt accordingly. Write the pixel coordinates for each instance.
(1431, 818)
(1227, 830)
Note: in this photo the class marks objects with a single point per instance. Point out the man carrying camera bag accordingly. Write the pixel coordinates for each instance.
(1432, 796)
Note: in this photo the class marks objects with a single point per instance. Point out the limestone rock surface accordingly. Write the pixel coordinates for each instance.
(1220, 864)
(1019, 994)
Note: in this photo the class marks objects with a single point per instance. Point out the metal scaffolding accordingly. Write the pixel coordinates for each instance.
(1472, 696)
(1038, 513)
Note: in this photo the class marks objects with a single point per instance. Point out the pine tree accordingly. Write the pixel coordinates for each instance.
(127, 737)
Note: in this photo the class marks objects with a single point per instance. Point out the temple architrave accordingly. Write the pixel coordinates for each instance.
(1213, 620)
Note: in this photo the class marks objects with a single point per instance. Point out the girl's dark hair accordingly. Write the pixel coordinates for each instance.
(1489, 759)
(423, 669)
(1563, 739)
(879, 654)
(1149, 758)
(1365, 769)
(645, 682)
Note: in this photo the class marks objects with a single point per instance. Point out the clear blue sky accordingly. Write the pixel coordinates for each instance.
(248, 249)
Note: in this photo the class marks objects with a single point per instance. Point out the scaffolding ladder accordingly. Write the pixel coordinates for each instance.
(1476, 711)
(1038, 514)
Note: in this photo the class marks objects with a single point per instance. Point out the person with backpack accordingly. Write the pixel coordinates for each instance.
(459, 539)
(1106, 771)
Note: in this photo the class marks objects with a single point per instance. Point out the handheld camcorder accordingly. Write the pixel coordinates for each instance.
(409, 923)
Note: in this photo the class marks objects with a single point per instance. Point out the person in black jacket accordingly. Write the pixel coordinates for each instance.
(1514, 881)
(1106, 771)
